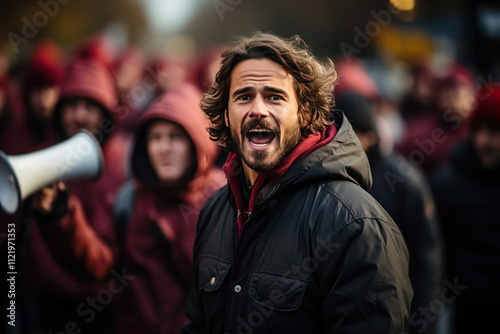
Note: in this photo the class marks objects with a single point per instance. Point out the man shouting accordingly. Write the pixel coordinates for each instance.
(293, 243)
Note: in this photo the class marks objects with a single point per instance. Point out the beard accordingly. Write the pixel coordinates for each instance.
(261, 160)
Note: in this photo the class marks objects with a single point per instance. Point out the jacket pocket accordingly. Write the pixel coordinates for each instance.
(277, 292)
(212, 272)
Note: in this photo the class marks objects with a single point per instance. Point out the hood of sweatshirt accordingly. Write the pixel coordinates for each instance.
(182, 107)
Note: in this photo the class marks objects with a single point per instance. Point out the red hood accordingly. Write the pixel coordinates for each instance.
(45, 67)
(488, 107)
(89, 79)
(182, 106)
(304, 148)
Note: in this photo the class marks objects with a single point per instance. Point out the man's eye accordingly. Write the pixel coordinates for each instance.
(275, 98)
(243, 98)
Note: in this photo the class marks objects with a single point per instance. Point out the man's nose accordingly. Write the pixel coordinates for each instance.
(259, 108)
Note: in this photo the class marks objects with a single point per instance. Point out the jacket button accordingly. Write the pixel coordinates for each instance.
(212, 281)
(237, 288)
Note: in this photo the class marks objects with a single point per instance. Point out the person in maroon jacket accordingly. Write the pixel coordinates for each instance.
(82, 207)
(40, 92)
(172, 164)
(26, 126)
(172, 161)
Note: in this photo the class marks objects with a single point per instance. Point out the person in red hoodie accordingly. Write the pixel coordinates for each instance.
(41, 87)
(86, 102)
(172, 165)
(155, 218)
(26, 126)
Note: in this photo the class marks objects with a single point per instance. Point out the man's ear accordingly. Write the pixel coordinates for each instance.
(226, 118)
(303, 122)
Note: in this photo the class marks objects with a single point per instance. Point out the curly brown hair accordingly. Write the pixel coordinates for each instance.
(314, 82)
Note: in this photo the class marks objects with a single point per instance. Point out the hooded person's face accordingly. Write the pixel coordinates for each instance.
(43, 100)
(127, 76)
(80, 113)
(368, 139)
(170, 151)
(262, 113)
(457, 98)
(486, 142)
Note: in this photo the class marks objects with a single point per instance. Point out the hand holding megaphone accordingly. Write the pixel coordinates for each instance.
(78, 157)
(44, 199)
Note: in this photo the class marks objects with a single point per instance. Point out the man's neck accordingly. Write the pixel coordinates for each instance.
(250, 174)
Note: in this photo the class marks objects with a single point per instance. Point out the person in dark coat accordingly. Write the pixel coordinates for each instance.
(467, 195)
(404, 193)
(293, 243)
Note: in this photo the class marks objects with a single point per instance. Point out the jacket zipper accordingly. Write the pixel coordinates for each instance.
(249, 215)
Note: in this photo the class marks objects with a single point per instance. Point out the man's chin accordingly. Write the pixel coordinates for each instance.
(259, 167)
(260, 161)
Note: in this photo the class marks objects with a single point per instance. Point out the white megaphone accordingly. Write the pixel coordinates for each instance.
(21, 176)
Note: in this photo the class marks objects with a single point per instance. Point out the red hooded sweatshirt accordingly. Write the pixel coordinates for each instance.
(89, 207)
(160, 238)
(24, 131)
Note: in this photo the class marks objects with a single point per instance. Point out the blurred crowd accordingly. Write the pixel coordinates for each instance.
(115, 255)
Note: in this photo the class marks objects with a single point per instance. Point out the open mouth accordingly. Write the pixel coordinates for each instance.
(260, 137)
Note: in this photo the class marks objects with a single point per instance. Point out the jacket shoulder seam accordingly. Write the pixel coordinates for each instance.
(341, 200)
(353, 218)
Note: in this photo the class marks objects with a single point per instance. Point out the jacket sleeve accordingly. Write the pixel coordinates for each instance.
(364, 284)
(74, 244)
